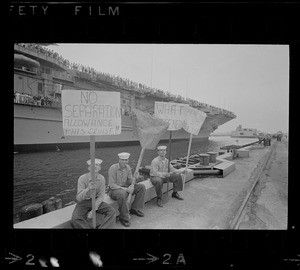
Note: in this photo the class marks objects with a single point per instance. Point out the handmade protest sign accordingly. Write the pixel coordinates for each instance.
(194, 120)
(174, 114)
(91, 113)
(171, 112)
(149, 130)
(88, 112)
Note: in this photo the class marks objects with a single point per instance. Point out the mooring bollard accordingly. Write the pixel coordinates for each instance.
(51, 205)
(234, 153)
(212, 156)
(58, 203)
(204, 159)
(48, 206)
(31, 211)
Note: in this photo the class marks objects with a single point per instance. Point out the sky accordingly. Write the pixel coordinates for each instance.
(250, 80)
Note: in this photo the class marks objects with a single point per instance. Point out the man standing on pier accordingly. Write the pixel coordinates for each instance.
(160, 174)
(105, 214)
(120, 186)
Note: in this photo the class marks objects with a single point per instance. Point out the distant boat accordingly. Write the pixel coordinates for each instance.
(244, 132)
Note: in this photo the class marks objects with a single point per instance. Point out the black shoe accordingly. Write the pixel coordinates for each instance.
(136, 212)
(176, 196)
(159, 203)
(124, 222)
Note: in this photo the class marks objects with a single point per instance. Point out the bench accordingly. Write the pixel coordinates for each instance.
(61, 218)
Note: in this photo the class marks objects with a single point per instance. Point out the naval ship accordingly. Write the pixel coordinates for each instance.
(244, 132)
(40, 76)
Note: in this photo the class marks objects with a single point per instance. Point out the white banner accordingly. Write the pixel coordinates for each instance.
(194, 120)
(88, 113)
(179, 116)
(171, 112)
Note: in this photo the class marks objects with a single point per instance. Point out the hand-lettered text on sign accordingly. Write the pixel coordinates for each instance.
(194, 120)
(171, 112)
(88, 113)
(180, 116)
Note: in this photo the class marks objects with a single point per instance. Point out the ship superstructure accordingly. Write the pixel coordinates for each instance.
(244, 132)
(40, 76)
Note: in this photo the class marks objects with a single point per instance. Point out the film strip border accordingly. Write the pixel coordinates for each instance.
(155, 22)
(115, 248)
(169, 23)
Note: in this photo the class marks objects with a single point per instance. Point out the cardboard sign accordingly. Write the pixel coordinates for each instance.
(171, 112)
(87, 113)
(194, 120)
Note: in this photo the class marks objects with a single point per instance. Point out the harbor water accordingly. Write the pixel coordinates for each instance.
(39, 176)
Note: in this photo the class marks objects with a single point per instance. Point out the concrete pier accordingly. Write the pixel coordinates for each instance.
(209, 202)
(212, 203)
(267, 206)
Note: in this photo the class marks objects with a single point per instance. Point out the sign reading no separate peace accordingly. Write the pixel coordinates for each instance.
(171, 112)
(88, 113)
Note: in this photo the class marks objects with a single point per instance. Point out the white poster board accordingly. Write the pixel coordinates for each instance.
(194, 120)
(87, 113)
(171, 112)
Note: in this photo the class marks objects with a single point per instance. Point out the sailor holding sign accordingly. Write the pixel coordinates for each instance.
(105, 214)
(159, 175)
(121, 185)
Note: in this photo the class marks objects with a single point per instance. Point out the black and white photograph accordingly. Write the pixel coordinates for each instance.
(180, 136)
(149, 134)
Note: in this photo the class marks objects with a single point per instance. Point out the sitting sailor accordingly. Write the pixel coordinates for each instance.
(120, 186)
(105, 214)
(159, 174)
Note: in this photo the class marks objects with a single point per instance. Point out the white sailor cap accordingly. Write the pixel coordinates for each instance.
(162, 147)
(124, 155)
(98, 161)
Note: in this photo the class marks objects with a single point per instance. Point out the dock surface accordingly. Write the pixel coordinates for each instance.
(268, 204)
(210, 203)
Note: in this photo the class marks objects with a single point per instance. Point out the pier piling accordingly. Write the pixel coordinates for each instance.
(31, 211)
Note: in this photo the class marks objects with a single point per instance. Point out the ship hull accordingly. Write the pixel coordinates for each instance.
(39, 128)
(243, 134)
(250, 136)
(38, 124)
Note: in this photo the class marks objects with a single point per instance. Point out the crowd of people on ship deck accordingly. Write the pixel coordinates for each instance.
(122, 82)
(23, 98)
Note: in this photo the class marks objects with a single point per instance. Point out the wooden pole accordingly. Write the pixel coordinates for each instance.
(92, 157)
(187, 160)
(136, 170)
(169, 157)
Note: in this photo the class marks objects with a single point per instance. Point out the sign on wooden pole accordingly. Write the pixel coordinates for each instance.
(92, 157)
(180, 116)
(91, 113)
(194, 121)
(174, 114)
(136, 170)
(169, 159)
(187, 160)
(88, 113)
(148, 129)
